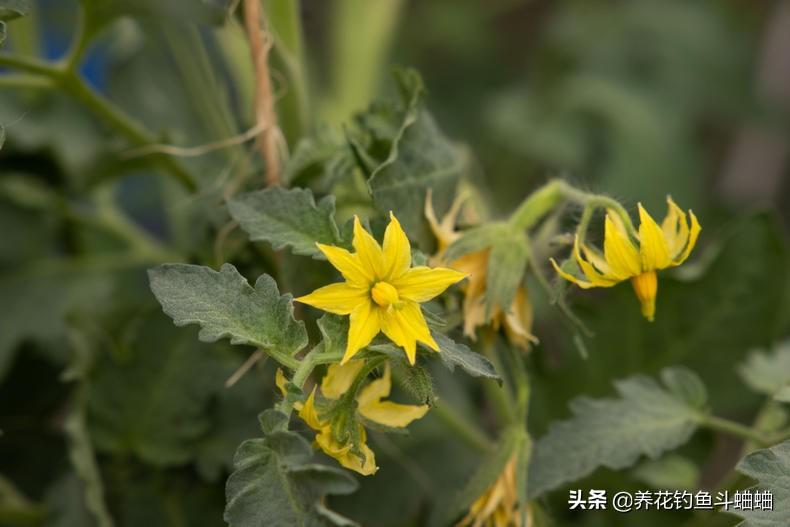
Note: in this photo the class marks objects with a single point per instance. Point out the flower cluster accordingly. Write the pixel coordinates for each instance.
(370, 405)
(637, 258)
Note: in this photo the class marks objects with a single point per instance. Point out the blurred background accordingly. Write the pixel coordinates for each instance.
(634, 98)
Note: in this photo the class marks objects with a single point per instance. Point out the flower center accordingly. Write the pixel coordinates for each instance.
(646, 288)
(384, 294)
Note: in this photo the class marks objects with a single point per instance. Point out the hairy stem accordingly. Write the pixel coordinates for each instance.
(736, 429)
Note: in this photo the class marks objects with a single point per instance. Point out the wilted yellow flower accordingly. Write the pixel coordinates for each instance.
(517, 321)
(370, 405)
(498, 506)
(381, 292)
(656, 248)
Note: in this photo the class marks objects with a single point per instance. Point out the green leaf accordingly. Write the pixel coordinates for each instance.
(152, 402)
(2, 39)
(287, 217)
(420, 158)
(11, 9)
(275, 485)
(225, 305)
(455, 354)
(767, 373)
(647, 419)
(771, 468)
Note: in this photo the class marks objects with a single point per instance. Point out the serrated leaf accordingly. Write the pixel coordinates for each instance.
(275, 485)
(765, 372)
(11, 9)
(287, 218)
(455, 354)
(647, 419)
(771, 468)
(420, 157)
(224, 305)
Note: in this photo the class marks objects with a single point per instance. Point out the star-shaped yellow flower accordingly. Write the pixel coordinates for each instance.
(656, 248)
(382, 292)
(370, 405)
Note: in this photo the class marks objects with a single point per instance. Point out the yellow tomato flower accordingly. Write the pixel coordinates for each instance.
(517, 320)
(370, 405)
(498, 506)
(382, 292)
(623, 257)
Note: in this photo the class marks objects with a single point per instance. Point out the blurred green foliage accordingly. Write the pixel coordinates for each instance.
(108, 410)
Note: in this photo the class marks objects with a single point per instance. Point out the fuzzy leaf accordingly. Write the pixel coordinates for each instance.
(455, 354)
(767, 373)
(647, 418)
(225, 305)
(771, 468)
(287, 217)
(275, 485)
(420, 157)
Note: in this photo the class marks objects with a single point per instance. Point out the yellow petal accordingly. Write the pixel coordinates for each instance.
(340, 298)
(675, 228)
(365, 323)
(365, 466)
(376, 390)
(348, 264)
(279, 381)
(692, 241)
(598, 279)
(394, 415)
(309, 414)
(653, 247)
(584, 284)
(368, 251)
(387, 413)
(420, 284)
(646, 287)
(397, 251)
(406, 325)
(444, 232)
(338, 378)
(518, 321)
(620, 253)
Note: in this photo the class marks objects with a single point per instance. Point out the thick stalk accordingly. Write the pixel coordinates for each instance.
(736, 429)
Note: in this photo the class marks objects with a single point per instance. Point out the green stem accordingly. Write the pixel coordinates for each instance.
(733, 428)
(30, 65)
(126, 125)
(547, 197)
(462, 428)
